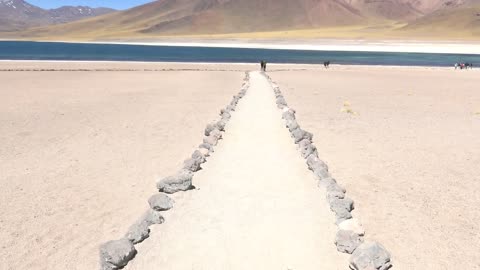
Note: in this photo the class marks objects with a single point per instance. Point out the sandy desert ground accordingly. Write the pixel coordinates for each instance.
(81, 150)
(409, 155)
(256, 204)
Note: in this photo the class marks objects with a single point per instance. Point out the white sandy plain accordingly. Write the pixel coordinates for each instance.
(409, 157)
(315, 45)
(80, 152)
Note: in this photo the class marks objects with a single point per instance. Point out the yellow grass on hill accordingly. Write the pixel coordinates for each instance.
(453, 23)
(378, 31)
(154, 21)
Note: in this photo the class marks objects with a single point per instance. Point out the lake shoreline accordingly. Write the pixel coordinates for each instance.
(137, 66)
(349, 45)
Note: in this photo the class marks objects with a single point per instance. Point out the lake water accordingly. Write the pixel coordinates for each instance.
(24, 50)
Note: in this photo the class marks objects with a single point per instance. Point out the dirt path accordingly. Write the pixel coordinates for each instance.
(256, 205)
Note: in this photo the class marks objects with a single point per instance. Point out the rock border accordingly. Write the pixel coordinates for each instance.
(116, 254)
(365, 255)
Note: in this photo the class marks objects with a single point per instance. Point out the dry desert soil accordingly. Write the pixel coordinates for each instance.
(80, 152)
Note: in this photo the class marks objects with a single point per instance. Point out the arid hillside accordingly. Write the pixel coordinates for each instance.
(364, 18)
(16, 15)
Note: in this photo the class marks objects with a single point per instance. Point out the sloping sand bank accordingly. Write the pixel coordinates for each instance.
(256, 205)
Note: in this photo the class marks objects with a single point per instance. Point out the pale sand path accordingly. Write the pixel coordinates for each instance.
(256, 205)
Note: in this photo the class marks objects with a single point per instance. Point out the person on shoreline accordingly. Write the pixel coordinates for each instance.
(263, 65)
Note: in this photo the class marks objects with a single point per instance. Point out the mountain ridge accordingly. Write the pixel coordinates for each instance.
(18, 15)
(218, 17)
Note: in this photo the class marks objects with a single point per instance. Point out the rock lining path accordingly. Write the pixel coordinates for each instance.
(256, 206)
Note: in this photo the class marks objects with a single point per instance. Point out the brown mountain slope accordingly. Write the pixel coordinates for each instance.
(214, 16)
(199, 17)
(18, 14)
(461, 22)
(429, 6)
(261, 15)
(399, 10)
(67, 14)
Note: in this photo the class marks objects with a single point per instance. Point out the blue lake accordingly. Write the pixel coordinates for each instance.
(24, 50)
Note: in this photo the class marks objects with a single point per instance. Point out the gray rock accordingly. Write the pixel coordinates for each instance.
(281, 102)
(211, 140)
(235, 100)
(342, 207)
(352, 225)
(292, 125)
(207, 146)
(335, 187)
(307, 148)
(308, 136)
(204, 152)
(341, 215)
(335, 195)
(230, 108)
(304, 143)
(221, 125)
(217, 134)
(138, 232)
(198, 155)
(280, 99)
(298, 135)
(288, 115)
(210, 128)
(370, 256)
(337, 204)
(287, 109)
(321, 173)
(192, 165)
(182, 181)
(160, 202)
(347, 241)
(116, 254)
(326, 182)
(152, 217)
(314, 163)
(226, 116)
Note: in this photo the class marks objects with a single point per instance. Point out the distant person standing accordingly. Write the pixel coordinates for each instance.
(263, 65)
